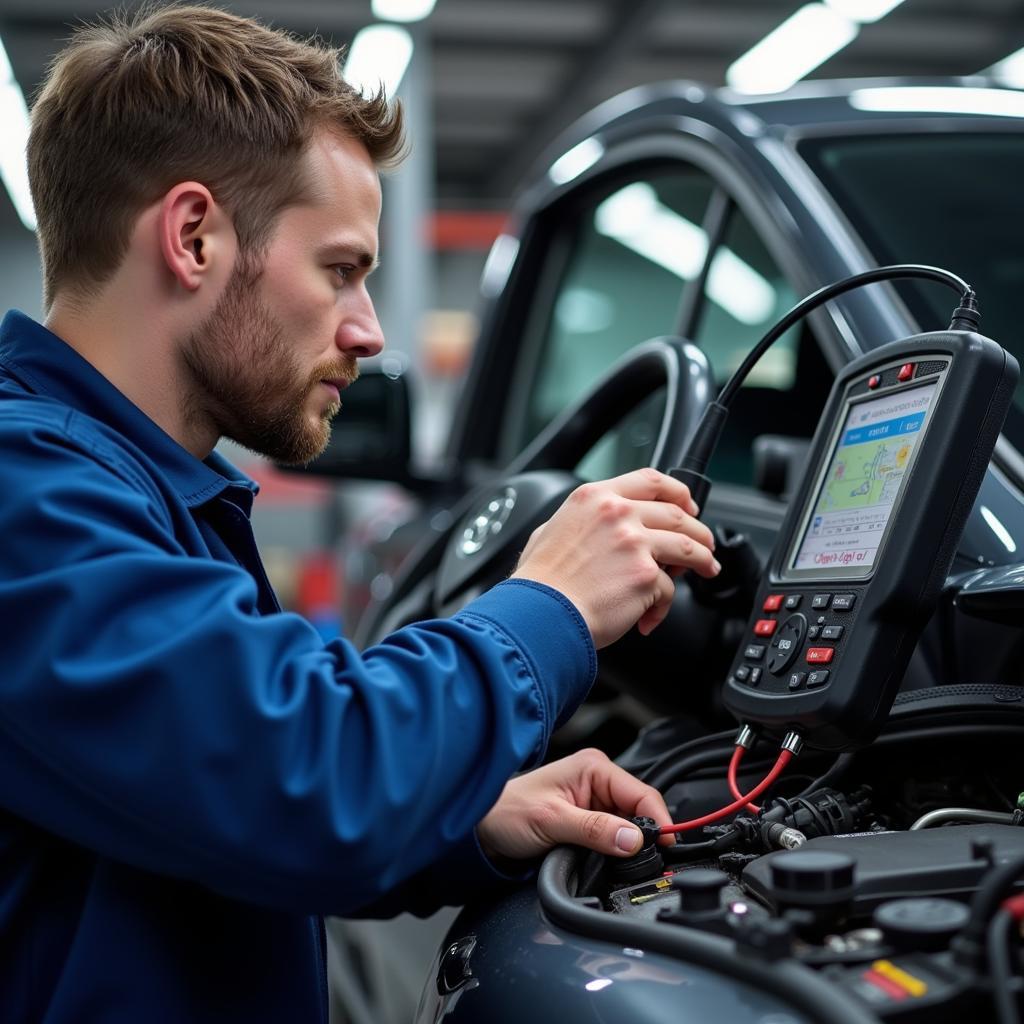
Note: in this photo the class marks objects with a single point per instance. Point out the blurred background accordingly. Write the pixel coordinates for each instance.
(487, 85)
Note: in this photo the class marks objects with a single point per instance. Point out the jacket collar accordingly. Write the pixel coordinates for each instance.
(47, 365)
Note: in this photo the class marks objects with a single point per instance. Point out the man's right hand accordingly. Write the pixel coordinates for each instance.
(613, 548)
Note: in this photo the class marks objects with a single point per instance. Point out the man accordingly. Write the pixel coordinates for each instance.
(188, 773)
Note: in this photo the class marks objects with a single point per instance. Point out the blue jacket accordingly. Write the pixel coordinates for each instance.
(188, 775)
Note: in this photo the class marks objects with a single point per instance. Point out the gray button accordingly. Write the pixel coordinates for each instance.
(831, 632)
(742, 673)
(821, 600)
(796, 680)
(755, 675)
(755, 652)
(843, 602)
(793, 601)
(819, 678)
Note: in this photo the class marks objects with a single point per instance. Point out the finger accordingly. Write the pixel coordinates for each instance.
(673, 549)
(665, 591)
(650, 485)
(660, 515)
(597, 830)
(616, 789)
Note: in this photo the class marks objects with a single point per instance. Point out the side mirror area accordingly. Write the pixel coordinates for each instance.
(371, 437)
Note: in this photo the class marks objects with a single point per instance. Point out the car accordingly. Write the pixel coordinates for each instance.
(660, 238)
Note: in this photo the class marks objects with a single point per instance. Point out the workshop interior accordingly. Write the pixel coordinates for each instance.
(774, 249)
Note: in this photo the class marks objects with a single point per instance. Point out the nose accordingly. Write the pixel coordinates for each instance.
(359, 333)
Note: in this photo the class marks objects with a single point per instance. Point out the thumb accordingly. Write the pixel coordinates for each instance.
(604, 833)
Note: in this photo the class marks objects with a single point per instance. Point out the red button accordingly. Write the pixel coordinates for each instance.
(772, 603)
(765, 627)
(873, 382)
(905, 372)
(819, 655)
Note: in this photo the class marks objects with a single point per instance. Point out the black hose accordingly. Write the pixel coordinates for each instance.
(1000, 969)
(995, 886)
(787, 980)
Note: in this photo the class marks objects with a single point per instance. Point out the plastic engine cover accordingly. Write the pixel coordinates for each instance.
(893, 865)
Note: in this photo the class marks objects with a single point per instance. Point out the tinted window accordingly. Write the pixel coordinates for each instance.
(629, 249)
(947, 200)
(744, 295)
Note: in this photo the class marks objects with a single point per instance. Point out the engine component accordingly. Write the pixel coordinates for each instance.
(813, 889)
(920, 925)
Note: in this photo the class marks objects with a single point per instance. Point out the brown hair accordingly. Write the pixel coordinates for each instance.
(137, 104)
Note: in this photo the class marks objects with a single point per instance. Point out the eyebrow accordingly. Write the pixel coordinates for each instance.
(362, 257)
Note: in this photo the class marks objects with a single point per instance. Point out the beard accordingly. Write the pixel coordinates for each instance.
(249, 384)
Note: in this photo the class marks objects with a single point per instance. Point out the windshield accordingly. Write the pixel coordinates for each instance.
(949, 200)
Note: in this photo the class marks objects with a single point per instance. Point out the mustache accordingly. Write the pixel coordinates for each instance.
(345, 372)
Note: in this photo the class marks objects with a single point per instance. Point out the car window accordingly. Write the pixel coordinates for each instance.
(948, 199)
(631, 246)
(745, 293)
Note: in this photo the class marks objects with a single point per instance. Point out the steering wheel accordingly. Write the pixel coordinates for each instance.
(491, 525)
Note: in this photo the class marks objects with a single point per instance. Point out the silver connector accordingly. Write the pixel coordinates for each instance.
(746, 737)
(793, 743)
(791, 839)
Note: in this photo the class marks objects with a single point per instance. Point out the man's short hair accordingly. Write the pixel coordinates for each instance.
(136, 104)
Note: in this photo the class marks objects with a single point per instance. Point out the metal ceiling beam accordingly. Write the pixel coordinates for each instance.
(628, 27)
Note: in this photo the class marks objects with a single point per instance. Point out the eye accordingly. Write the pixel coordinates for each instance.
(343, 270)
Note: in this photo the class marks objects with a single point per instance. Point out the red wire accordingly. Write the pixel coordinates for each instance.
(1015, 906)
(734, 786)
(785, 756)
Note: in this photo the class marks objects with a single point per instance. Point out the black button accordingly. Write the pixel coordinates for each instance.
(755, 652)
(831, 632)
(755, 675)
(843, 602)
(742, 673)
(819, 678)
(785, 645)
(821, 600)
(812, 632)
(796, 680)
(793, 601)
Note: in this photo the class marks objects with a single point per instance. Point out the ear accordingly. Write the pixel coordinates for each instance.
(197, 237)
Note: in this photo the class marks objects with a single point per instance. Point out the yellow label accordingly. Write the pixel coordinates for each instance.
(911, 985)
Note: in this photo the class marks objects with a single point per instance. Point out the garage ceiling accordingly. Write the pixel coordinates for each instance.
(509, 74)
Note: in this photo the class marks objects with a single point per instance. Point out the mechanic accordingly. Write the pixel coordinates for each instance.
(190, 776)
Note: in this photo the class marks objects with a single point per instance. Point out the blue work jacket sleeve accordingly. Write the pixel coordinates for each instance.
(150, 713)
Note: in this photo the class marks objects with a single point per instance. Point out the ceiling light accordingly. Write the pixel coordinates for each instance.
(572, 164)
(864, 11)
(941, 99)
(378, 58)
(1010, 69)
(802, 42)
(402, 10)
(14, 142)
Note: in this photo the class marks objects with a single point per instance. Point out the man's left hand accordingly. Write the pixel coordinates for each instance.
(582, 799)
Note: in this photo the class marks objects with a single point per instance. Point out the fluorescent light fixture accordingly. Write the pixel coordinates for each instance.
(597, 984)
(378, 56)
(14, 143)
(803, 41)
(402, 10)
(739, 289)
(1010, 69)
(998, 529)
(636, 218)
(941, 99)
(864, 11)
(573, 163)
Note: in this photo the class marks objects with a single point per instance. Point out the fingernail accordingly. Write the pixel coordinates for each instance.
(696, 509)
(717, 565)
(625, 839)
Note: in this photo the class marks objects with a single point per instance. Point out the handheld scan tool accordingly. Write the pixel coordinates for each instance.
(894, 469)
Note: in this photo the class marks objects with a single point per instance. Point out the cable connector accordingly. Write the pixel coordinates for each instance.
(793, 742)
(745, 738)
(966, 316)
